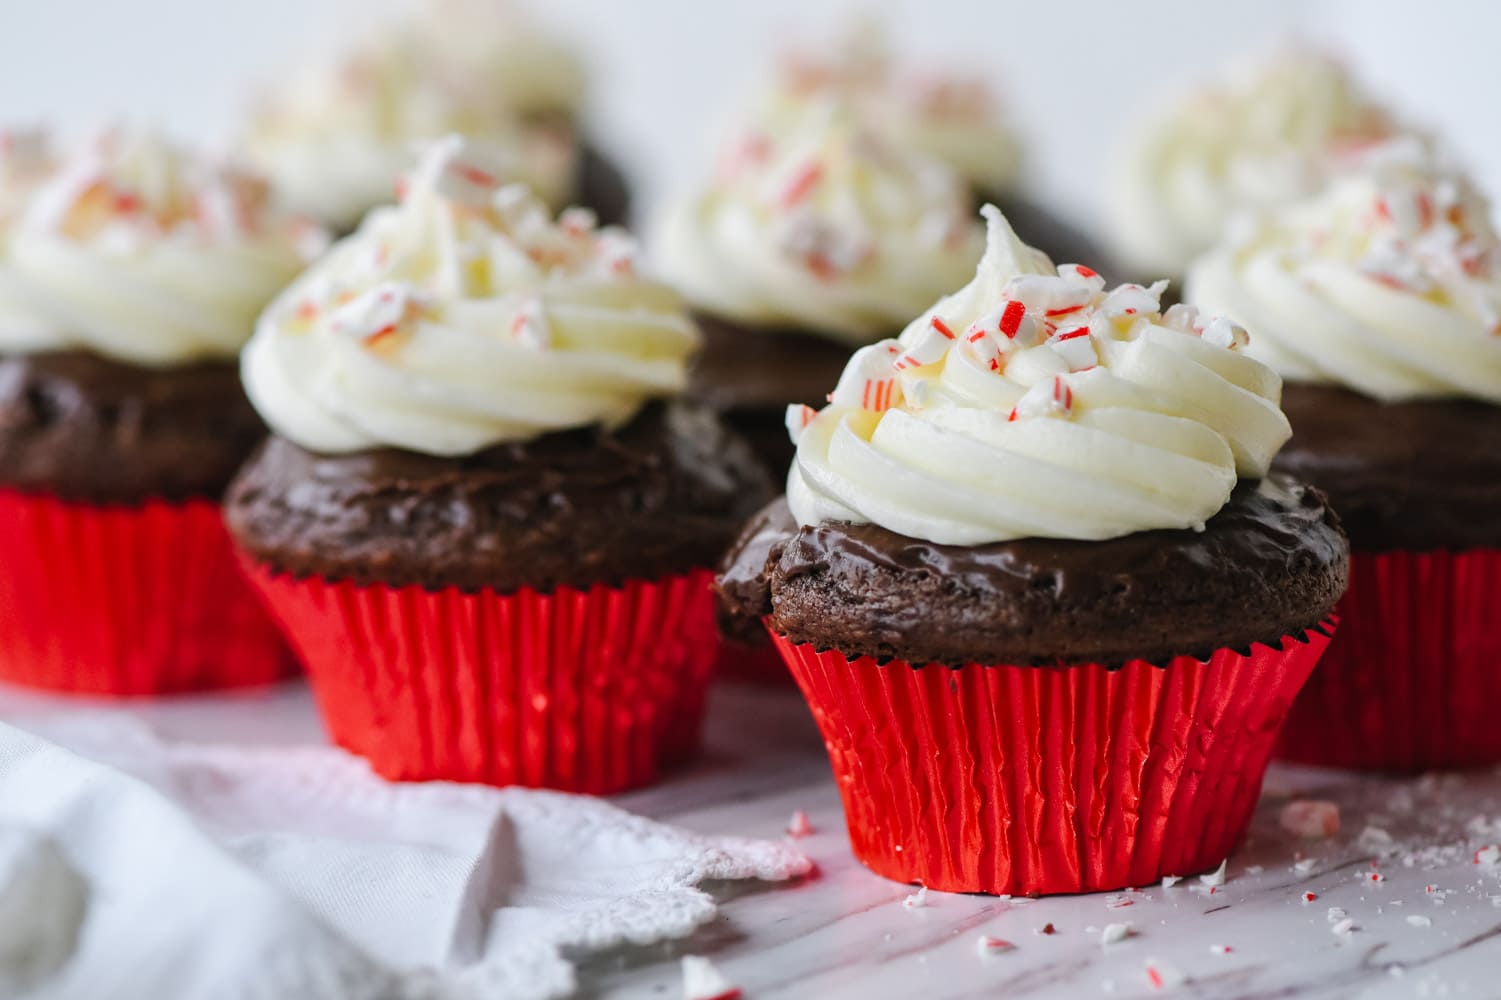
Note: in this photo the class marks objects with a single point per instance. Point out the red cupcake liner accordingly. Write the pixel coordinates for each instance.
(1411, 682)
(143, 600)
(1037, 780)
(579, 690)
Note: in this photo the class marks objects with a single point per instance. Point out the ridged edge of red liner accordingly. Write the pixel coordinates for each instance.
(1411, 681)
(128, 600)
(579, 690)
(1029, 780)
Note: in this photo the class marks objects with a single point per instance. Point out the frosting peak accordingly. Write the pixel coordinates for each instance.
(338, 133)
(144, 251)
(1037, 402)
(950, 116)
(464, 317)
(1272, 130)
(1389, 282)
(825, 228)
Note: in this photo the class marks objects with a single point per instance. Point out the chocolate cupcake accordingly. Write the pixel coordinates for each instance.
(338, 135)
(1272, 130)
(809, 243)
(1046, 609)
(130, 278)
(1380, 302)
(482, 519)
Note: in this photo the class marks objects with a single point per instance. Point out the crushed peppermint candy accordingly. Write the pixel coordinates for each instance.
(1488, 856)
(918, 900)
(380, 315)
(1114, 933)
(1335, 914)
(1216, 877)
(1418, 920)
(1168, 881)
(987, 945)
(703, 981)
(1309, 897)
(1220, 949)
(1344, 928)
(799, 825)
(1310, 819)
(1163, 975)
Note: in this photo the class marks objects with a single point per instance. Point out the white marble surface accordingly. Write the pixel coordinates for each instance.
(845, 932)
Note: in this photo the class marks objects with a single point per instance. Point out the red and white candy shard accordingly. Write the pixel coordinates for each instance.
(917, 900)
(702, 981)
(799, 825)
(530, 327)
(1164, 975)
(1114, 933)
(1310, 819)
(929, 347)
(1075, 347)
(387, 309)
(1489, 856)
(799, 417)
(1049, 398)
(466, 174)
(869, 380)
(987, 945)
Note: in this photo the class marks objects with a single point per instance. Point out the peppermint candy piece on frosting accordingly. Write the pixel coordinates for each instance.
(381, 314)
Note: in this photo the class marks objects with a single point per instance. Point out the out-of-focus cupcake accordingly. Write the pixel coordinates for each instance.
(1274, 129)
(807, 243)
(930, 108)
(482, 520)
(1380, 303)
(130, 276)
(1047, 611)
(338, 135)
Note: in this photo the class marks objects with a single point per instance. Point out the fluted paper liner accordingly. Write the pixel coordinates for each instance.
(1036, 780)
(579, 690)
(142, 600)
(1412, 680)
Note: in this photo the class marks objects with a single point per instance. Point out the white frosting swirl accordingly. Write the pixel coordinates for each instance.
(1388, 283)
(825, 229)
(1034, 403)
(464, 317)
(144, 252)
(930, 109)
(1270, 132)
(338, 135)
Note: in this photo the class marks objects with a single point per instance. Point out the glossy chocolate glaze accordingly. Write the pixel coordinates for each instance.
(1419, 476)
(1271, 563)
(83, 427)
(662, 495)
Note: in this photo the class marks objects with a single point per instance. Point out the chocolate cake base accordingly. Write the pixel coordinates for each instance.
(1419, 476)
(662, 495)
(86, 428)
(1271, 563)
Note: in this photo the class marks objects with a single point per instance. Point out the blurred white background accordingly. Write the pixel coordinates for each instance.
(665, 70)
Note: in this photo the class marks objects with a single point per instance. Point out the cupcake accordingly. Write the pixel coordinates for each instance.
(130, 275)
(481, 519)
(806, 244)
(934, 110)
(1272, 130)
(1046, 605)
(1380, 303)
(337, 135)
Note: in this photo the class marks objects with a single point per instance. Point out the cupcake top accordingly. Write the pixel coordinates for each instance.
(1269, 132)
(1388, 283)
(927, 108)
(1035, 403)
(142, 251)
(464, 317)
(337, 135)
(822, 228)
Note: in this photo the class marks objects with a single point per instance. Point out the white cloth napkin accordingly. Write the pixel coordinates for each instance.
(133, 867)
